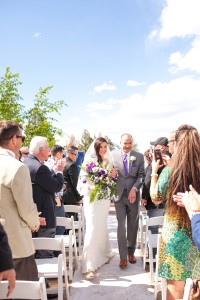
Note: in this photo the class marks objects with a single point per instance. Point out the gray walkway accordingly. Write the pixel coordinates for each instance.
(111, 282)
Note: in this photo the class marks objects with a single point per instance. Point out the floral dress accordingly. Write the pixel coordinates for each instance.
(179, 258)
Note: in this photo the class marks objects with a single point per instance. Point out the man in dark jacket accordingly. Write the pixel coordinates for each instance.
(6, 263)
(70, 174)
(44, 185)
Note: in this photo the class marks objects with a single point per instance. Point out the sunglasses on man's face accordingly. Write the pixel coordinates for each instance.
(21, 136)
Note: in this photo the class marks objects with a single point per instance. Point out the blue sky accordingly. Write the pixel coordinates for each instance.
(121, 66)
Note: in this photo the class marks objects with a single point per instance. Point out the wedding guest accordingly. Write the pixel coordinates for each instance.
(191, 201)
(16, 202)
(70, 173)
(57, 154)
(178, 258)
(24, 152)
(44, 186)
(96, 250)
(152, 209)
(6, 263)
(80, 157)
(130, 166)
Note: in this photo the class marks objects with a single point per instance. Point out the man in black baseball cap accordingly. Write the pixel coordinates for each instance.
(163, 141)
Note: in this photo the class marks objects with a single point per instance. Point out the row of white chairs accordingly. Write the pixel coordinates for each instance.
(148, 242)
(79, 224)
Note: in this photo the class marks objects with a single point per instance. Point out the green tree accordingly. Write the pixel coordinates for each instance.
(10, 107)
(85, 141)
(39, 120)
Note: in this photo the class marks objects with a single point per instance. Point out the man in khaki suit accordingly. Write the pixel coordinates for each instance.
(16, 202)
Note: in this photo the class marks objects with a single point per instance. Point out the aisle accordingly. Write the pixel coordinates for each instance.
(111, 282)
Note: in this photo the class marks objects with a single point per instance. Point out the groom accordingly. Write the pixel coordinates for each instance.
(130, 165)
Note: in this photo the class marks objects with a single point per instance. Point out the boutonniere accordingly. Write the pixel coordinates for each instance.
(132, 160)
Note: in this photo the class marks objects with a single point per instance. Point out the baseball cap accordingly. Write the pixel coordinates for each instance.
(160, 141)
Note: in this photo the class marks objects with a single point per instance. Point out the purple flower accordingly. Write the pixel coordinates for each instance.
(84, 181)
(102, 172)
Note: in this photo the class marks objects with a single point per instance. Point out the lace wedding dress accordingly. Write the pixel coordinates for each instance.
(96, 250)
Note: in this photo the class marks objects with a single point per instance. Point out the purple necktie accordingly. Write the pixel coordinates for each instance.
(125, 164)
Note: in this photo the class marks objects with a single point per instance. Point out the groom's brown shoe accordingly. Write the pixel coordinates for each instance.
(131, 258)
(123, 263)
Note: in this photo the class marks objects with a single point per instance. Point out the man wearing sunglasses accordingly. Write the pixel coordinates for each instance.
(70, 174)
(16, 202)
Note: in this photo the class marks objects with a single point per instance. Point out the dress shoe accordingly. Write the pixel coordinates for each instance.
(131, 258)
(123, 263)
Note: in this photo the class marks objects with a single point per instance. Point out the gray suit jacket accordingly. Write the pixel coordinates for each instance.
(135, 176)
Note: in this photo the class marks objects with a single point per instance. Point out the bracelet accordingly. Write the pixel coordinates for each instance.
(154, 174)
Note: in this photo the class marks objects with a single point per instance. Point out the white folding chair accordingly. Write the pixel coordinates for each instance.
(53, 267)
(187, 289)
(141, 230)
(25, 290)
(79, 225)
(151, 242)
(69, 241)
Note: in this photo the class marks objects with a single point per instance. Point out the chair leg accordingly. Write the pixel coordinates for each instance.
(164, 288)
(60, 279)
(151, 262)
(144, 254)
(66, 282)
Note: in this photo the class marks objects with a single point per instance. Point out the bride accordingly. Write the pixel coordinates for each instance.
(96, 249)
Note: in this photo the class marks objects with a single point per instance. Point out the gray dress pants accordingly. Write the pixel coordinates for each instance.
(127, 217)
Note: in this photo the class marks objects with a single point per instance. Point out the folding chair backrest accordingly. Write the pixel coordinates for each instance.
(55, 244)
(68, 223)
(25, 290)
(73, 208)
(155, 221)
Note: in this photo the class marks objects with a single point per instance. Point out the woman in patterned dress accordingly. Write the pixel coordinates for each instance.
(179, 258)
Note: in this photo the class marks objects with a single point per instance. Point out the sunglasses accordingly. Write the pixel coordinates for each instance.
(26, 153)
(75, 154)
(21, 136)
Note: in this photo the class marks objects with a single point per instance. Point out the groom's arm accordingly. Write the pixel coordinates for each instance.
(132, 196)
(140, 174)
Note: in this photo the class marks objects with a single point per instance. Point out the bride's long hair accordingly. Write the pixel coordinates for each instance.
(97, 145)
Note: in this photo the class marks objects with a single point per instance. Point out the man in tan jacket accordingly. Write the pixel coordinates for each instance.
(16, 202)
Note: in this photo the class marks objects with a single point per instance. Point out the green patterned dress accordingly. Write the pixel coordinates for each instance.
(179, 258)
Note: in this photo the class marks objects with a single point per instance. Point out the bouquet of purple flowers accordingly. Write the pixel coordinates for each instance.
(104, 184)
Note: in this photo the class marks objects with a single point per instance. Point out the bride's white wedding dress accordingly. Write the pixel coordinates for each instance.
(96, 250)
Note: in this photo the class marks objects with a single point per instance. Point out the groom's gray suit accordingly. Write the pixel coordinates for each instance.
(125, 209)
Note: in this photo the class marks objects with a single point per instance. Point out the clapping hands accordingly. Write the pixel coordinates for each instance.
(190, 200)
(59, 165)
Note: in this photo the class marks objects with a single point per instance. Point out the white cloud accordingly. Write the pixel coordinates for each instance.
(99, 106)
(37, 35)
(190, 61)
(105, 87)
(180, 18)
(134, 83)
(162, 108)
